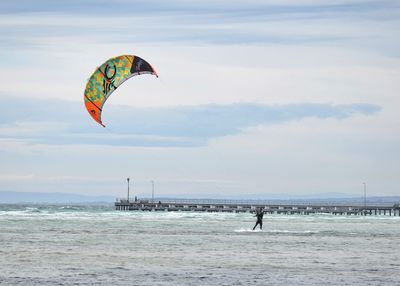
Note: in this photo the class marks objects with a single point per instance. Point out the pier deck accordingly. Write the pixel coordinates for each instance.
(125, 205)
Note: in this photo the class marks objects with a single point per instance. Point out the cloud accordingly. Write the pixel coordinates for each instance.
(63, 122)
(26, 24)
(236, 8)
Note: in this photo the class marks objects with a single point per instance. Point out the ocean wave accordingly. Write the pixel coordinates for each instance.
(278, 231)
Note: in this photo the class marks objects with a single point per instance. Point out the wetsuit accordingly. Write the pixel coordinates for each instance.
(259, 216)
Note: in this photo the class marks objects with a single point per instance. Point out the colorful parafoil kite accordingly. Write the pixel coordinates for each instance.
(108, 77)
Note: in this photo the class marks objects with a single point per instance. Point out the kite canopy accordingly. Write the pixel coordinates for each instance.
(108, 77)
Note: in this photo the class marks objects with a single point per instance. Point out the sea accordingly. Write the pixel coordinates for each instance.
(97, 245)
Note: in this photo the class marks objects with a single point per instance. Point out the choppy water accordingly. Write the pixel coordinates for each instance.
(54, 245)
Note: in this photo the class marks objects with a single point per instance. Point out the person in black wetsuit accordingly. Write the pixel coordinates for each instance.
(259, 215)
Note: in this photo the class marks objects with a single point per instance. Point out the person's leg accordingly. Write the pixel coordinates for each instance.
(260, 224)
(255, 225)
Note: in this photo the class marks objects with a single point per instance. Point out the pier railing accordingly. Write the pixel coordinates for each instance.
(294, 202)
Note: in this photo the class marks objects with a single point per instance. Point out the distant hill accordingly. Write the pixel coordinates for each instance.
(40, 197)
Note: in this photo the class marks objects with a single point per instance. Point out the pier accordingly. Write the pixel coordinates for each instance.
(269, 208)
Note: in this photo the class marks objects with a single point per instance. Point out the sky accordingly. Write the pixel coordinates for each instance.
(254, 98)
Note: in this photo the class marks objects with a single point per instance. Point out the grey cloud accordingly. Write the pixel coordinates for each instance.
(62, 122)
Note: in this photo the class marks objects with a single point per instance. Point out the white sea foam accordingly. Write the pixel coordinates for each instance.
(248, 230)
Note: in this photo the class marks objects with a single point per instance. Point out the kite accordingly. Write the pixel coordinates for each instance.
(110, 75)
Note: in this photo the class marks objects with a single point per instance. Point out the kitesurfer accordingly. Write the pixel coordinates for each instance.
(259, 215)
